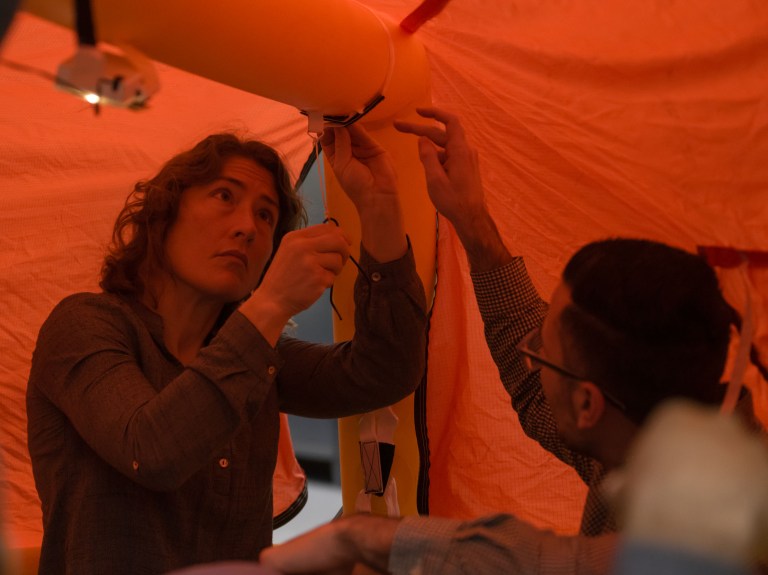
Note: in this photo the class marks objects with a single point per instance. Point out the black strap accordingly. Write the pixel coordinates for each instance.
(86, 32)
(420, 405)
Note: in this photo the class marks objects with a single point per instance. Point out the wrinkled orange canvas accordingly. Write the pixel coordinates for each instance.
(593, 119)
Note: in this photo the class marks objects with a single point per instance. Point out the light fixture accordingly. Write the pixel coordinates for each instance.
(103, 77)
(119, 77)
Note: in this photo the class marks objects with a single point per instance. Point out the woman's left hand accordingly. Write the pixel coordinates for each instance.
(366, 173)
(364, 169)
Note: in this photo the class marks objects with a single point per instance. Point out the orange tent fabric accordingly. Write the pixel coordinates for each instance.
(592, 119)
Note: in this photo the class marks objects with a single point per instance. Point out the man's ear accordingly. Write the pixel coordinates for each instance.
(588, 404)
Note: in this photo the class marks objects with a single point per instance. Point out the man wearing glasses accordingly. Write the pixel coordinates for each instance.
(631, 324)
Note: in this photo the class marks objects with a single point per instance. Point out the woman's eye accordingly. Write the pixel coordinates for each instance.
(223, 194)
(267, 216)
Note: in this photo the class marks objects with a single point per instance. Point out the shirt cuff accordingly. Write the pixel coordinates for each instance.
(236, 354)
(249, 344)
(394, 274)
(421, 545)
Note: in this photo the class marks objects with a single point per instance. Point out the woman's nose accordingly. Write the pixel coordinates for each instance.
(249, 237)
(245, 227)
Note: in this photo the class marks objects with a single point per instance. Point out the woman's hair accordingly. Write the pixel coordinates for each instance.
(138, 239)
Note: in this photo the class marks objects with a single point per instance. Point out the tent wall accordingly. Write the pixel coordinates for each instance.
(593, 119)
(642, 119)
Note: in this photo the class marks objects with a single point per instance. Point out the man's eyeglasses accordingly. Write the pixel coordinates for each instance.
(530, 347)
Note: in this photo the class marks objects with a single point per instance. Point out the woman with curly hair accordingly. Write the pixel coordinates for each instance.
(154, 405)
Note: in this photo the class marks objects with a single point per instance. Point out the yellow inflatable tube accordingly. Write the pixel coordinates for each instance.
(420, 225)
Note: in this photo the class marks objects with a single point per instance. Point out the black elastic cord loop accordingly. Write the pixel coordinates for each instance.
(349, 119)
(354, 261)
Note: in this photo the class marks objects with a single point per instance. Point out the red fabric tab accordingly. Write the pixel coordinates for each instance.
(723, 257)
(425, 11)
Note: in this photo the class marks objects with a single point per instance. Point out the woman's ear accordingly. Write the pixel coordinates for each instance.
(588, 404)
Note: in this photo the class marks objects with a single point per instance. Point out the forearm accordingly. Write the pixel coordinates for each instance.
(510, 307)
(494, 544)
(383, 362)
(336, 547)
(482, 242)
(265, 316)
(370, 539)
(229, 379)
(383, 231)
(146, 416)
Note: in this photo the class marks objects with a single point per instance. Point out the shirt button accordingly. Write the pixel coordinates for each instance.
(376, 276)
(271, 370)
(135, 465)
(223, 462)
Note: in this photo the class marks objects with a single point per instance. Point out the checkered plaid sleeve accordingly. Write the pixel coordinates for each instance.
(510, 307)
(494, 544)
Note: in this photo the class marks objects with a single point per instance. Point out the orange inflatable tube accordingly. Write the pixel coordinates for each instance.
(332, 57)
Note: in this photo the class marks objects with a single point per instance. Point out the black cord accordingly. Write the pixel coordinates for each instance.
(353, 260)
(420, 399)
(307, 167)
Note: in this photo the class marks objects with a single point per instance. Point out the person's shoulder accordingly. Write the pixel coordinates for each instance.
(85, 308)
(84, 301)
